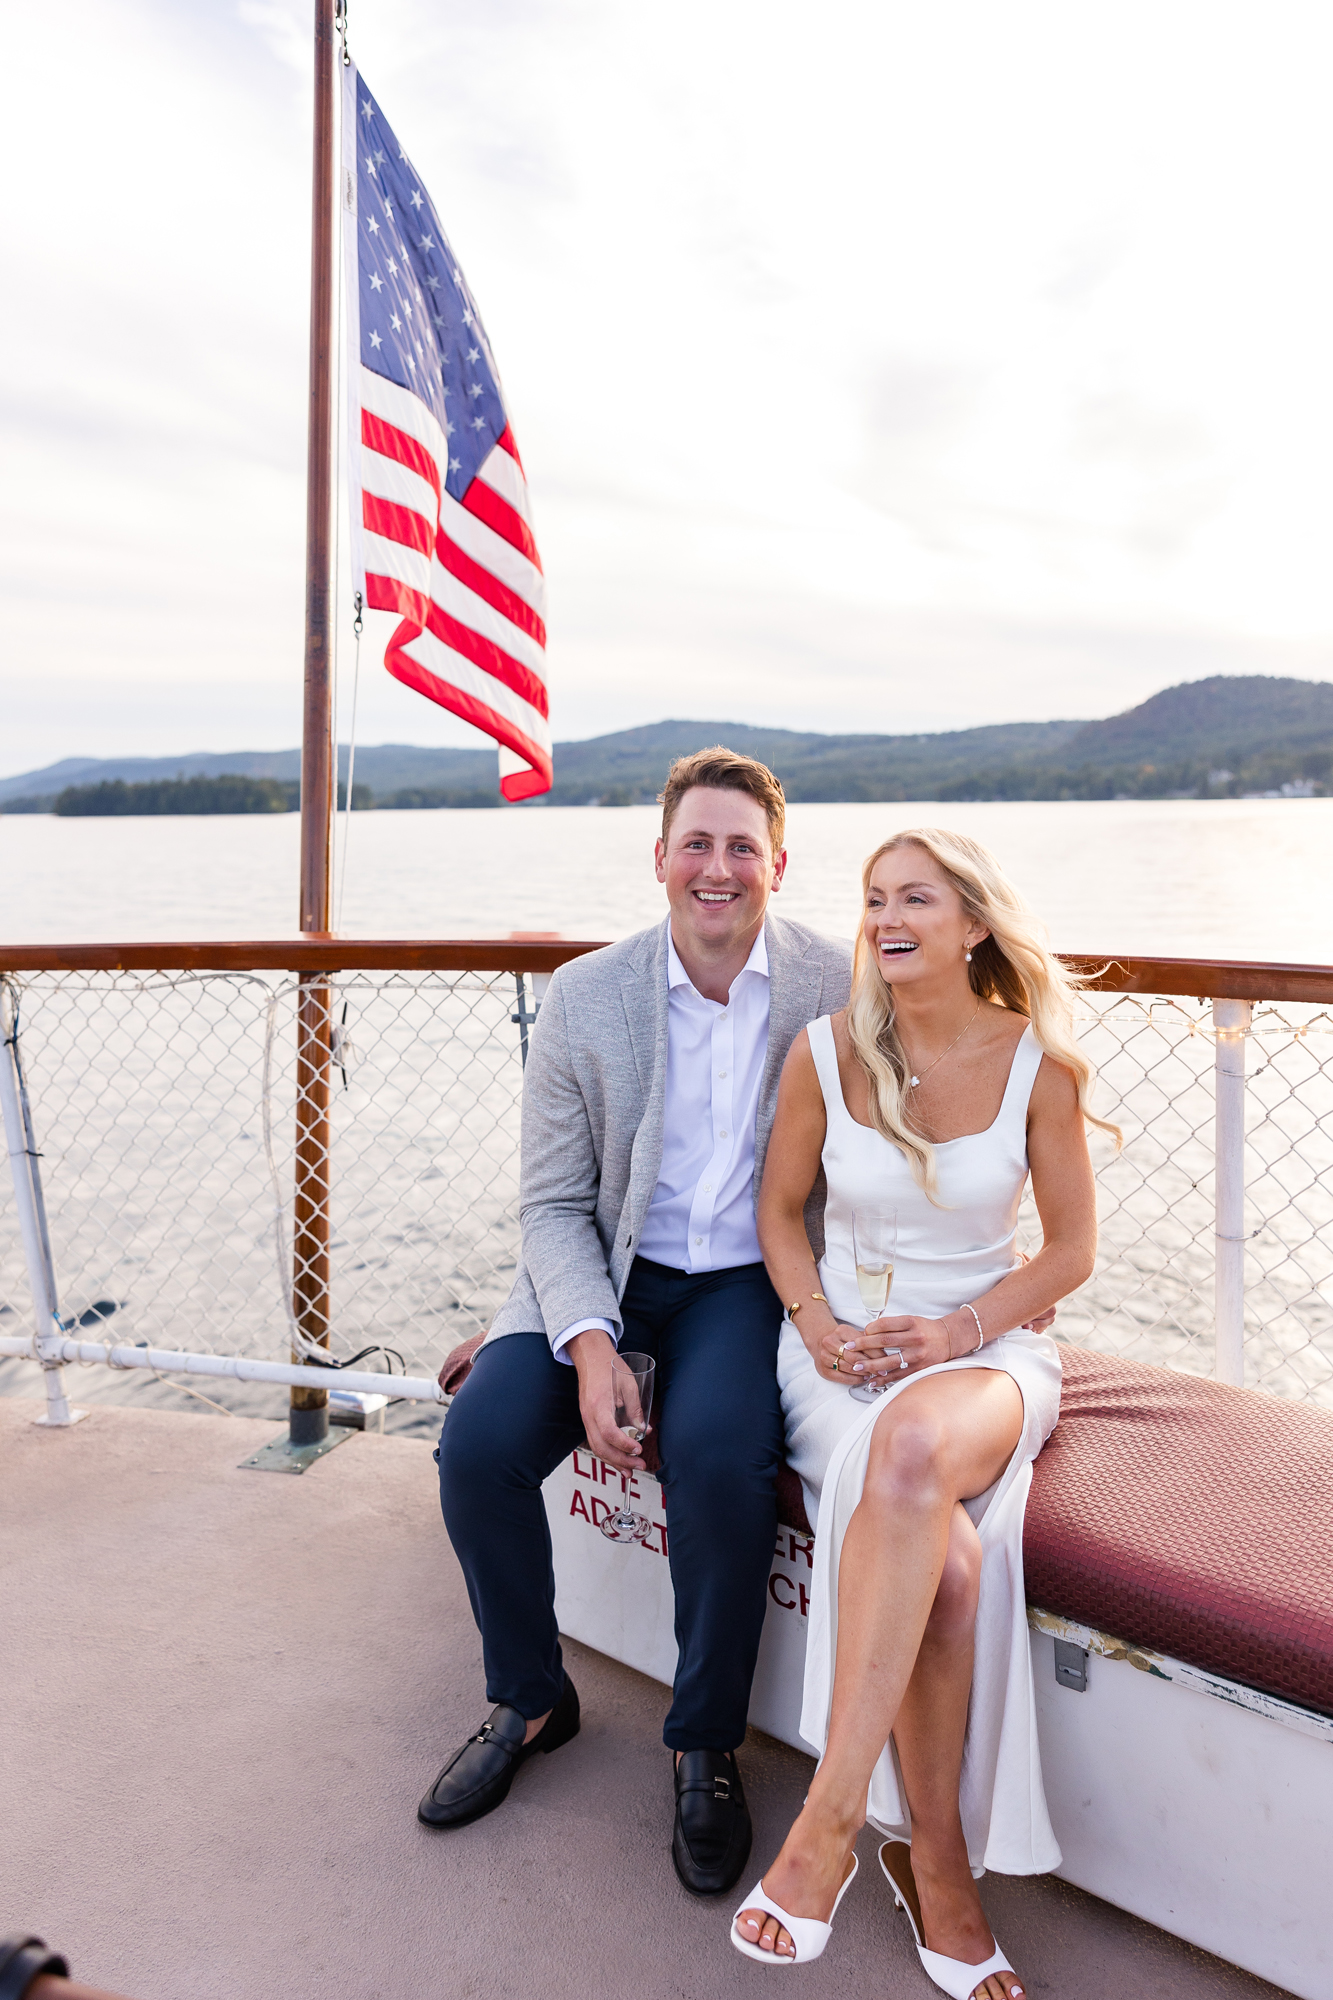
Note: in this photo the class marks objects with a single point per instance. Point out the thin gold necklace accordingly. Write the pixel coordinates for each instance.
(914, 1081)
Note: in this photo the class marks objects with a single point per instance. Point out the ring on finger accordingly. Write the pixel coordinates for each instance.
(898, 1351)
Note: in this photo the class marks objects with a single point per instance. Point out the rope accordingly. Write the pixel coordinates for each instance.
(351, 758)
(344, 362)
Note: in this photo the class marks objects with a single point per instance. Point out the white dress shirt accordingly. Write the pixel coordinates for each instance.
(701, 1216)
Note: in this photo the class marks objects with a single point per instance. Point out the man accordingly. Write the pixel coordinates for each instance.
(648, 1100)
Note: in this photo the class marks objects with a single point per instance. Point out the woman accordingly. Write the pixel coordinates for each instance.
(951, 1073)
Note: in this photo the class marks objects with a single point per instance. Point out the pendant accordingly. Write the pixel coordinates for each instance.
(914, 1081)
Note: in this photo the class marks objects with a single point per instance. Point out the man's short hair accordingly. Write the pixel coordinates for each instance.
(724, 770)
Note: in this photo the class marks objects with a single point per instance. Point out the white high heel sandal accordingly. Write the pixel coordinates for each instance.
(952, 1975)
(807, 1933)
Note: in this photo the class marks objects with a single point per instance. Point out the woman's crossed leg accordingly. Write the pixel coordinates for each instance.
(907, 1595)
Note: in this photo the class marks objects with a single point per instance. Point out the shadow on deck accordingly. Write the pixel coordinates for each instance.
(225, 1692)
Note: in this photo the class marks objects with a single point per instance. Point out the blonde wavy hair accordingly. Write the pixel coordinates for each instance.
(1013, 967)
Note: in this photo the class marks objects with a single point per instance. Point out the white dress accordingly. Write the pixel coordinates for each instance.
(946, 1254)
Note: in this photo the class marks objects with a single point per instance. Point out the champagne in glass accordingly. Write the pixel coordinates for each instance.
(874, 1286)
(632, 1376)
(874, 1243)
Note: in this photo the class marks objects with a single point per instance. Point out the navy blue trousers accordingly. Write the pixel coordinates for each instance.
(715, 1338)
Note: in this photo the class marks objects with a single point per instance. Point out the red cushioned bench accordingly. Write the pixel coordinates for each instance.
(1186, 1516)
(1192, 1518)
(1175, 1513)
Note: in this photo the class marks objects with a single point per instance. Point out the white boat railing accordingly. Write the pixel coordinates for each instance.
(162, 1084)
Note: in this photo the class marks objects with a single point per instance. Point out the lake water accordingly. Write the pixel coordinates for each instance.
(154, 1098)
(1177, 878)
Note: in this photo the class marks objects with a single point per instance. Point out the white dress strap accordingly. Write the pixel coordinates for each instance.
(825, 1052)
(1022, 1075)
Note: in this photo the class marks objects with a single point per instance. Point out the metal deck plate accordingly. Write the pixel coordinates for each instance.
(282, 1456)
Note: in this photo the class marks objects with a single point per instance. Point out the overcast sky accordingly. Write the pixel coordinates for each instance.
(875, 366)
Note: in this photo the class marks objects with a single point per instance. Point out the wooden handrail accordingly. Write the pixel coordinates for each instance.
(1204, 978)
(303, 954)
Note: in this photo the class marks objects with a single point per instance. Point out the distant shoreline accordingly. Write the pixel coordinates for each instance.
(1230, 736)
(45, 809)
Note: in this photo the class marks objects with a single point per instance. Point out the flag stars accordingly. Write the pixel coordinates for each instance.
(474, 354)
(393, 268)
(449, 429)
(455, 465)
(467, 316)
(367, 108)
(395, 323)
(375, 339)
(458, 276)
(376, 282)
(415, 197)
(428, 243)
(411, 364)
(380, 157)
(370, 167)
(372, 225)
(476, 390)
(388, 209)
(479, 423)
(434, 284)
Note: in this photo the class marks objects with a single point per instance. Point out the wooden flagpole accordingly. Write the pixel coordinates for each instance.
(309, 1419)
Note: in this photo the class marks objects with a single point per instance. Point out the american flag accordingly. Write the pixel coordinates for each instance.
(441, 524)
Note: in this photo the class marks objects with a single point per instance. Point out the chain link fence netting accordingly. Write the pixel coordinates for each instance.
(1151, 1295)
(164, 1107)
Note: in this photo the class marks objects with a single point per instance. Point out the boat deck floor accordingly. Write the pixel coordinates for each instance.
(224, 1692)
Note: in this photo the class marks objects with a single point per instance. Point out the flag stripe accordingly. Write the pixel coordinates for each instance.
(506, 443)
(397, 524)
(392, 557)
(489, 587)
(391, 442)
(430, 650)
(483, 501)
(391, 593)
(504, 476)
(392, 468)
(450, 694)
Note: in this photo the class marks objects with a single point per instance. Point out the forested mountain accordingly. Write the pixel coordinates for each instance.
(1224, 737)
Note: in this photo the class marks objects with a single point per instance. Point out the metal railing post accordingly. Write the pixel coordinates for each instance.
(1231, 1023)
(27, 1199)
(309, 1414)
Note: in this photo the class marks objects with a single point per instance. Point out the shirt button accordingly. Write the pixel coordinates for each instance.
(708, 1187)
(721, 1073)
(721, 1135)
(698, 1239)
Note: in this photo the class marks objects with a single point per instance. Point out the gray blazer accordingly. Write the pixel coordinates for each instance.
(593, 1098)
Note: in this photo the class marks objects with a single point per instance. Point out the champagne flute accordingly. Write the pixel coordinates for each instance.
(874, 1244)
(632, 1377)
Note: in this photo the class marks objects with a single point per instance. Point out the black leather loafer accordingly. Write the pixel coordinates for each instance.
(477, 1778)
(710, 1842)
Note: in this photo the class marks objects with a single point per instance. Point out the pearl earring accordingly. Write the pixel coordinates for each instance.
(967, 955)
